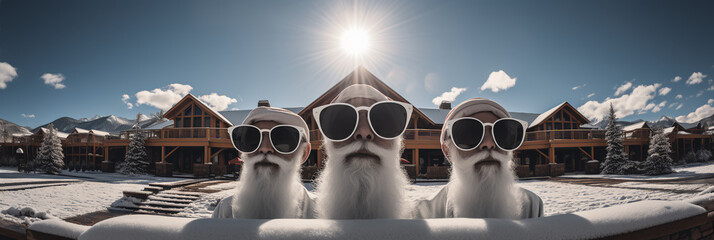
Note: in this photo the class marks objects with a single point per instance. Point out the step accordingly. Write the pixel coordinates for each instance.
(173, 200)
(153, 189)
(195, 194)
(137, 194)
(160, 209)
(162, 204)
(169, 185)
(185, 197)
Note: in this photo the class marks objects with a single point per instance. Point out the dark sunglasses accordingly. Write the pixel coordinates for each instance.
(467, 133)
(338, 121)
(247, 138)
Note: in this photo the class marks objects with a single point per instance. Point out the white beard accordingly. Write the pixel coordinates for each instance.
(266, 192)
(361, 188)
(490, 192)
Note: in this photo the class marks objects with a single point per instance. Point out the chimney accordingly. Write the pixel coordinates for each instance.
(445, 105)
(263, 103)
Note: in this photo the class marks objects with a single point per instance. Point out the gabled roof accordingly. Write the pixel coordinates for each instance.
(91, 131)
(80, 130)
(542, 117)
(160, 125)
(634, 126)
(359, 76)
(59, 134)
(190, 97)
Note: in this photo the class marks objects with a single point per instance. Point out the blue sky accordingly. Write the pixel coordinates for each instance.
(94, 52)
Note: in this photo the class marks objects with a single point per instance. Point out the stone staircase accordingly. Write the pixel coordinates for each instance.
(161, 198)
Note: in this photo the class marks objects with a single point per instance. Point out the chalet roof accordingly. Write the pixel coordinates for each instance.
(91, 131)
(21, 134)
(61, 135)
(203, 105)
(634, 126)
(543, 116)
(160, 125)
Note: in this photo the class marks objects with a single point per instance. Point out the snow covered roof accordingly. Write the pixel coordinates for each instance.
(62, 135)
(544, 115)
(21, 134)
(80, 130)
(634, 126)
(91, 131)
(160, 125)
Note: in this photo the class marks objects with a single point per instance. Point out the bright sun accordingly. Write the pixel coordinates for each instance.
(355, 41)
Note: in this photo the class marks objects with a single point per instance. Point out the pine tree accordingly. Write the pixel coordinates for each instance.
(616, 158)
(135, 161)
(50, 157)
(658, 160)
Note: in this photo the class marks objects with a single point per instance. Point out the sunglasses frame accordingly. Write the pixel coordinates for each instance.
(317, 110)
(450, 124)
(270, 136)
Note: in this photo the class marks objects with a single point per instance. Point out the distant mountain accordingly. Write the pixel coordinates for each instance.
(662, 122)
(8, 128)
(111, 123)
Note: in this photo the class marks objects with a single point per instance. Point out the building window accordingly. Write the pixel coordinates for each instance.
(197, 111)
(187, 111)
(196, 122)
(207, 122)
(177, 123)
(187, 122)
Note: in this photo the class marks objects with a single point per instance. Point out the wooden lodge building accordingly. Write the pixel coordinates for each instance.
(194, 140)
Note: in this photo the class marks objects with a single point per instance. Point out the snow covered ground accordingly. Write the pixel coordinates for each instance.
(691, 170)
(93, 192)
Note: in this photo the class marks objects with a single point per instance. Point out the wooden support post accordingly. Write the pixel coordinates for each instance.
(106, 154)
(206, 154)
(415, 155)
(551, 154)
(163, 154)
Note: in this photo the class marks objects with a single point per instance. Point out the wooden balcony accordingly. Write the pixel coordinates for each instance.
(199, 136)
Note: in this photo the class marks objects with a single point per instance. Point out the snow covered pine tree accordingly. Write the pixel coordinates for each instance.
(616, 159)
(658, 160)
(50, 157)
(135, 161)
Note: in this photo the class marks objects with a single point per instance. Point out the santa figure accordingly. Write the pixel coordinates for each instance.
(478, 139)
(273, 143)
(362, 131)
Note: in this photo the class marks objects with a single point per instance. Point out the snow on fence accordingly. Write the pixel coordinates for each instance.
(598, 223)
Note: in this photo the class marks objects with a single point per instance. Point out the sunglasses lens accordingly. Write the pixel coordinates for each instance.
(508, 133)
(467, 133)
(285, 139)
(388, 119)
(246, 139)
(338, 121)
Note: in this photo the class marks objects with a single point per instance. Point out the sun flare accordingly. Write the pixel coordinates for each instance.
(355, 41)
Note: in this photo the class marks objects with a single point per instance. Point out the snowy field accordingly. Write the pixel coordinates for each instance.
(692, 170)
(90, 192)
(79, 193)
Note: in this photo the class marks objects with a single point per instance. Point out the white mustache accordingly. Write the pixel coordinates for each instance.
(483, 155)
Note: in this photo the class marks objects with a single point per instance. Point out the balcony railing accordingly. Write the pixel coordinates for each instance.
(176, 133)
(582, 134)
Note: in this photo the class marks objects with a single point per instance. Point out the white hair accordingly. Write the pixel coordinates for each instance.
(488, 192)
(266, 192)
(361, 188)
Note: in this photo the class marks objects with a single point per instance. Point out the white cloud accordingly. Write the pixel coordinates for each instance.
(679, 96)
(672, 105)
(680, 106)
(27, 115)
(677, 79)
(663, 91)
(7, 74)
(498, 81)
(622, 89)
(165, 98)
(659, 107)
(579, 86)
(625, 105)
(590, 95)
(705, 110)
(700, 93)
(711, 88)
(125, 98)
(218, 102)
(448, 96)
(54, 80)
(695, 78)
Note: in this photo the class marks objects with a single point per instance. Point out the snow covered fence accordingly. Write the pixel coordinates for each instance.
(598, 223)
